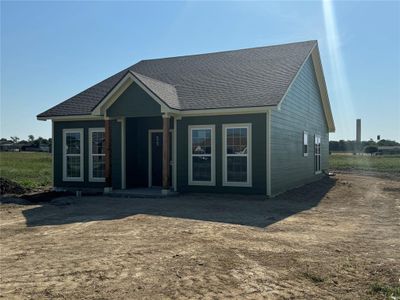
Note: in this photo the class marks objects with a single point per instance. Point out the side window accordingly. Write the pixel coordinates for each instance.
(73, 154)
(96, 154)
(317, 151)
(305, 143)
(236, 154)
(201, 155)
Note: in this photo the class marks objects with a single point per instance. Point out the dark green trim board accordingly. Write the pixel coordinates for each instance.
(300, 111)
(58, 154)
(258, 122)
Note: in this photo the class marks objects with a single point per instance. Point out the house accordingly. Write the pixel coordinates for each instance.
(7, 147)
(388, 150)
(251, 121)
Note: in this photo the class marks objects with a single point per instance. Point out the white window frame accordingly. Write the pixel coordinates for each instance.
(317, 138)
(191, 155)
(65, 155)
(225, 182)
(91, 155)
(305, 137)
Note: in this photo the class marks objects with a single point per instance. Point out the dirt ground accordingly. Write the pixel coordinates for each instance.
(337, 238)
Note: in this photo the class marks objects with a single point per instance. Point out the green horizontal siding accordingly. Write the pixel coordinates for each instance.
(134, 102)
(58, 154)
(301, 110)
(258, 122)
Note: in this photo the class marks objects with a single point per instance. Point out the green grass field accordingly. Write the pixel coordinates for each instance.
(32, 170)
(389, 163)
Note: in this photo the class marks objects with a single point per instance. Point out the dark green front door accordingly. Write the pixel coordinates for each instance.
(156, 158)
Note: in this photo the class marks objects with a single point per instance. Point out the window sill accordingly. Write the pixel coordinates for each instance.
(201, 183)
(73, 179)
(97, 180)
(237, 184)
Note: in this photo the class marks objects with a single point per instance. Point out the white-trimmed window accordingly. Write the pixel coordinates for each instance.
(305, 143)
(236, 154)
(317, 152)
(96, 154)
(73, 154)
(201, 155)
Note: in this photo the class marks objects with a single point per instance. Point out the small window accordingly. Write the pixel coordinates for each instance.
(237, 155)
(201, 155)
(96, 154)
(317, 151)
(305, 143)
(73, 155)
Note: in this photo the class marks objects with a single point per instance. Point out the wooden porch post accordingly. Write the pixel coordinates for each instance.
(166, 154)
(107, 158)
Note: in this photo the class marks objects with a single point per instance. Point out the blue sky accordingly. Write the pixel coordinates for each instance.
(52, 50)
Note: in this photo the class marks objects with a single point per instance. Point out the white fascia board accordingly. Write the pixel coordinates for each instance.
(323, 89)
(225, 111)
(72, 118)
(175, 113)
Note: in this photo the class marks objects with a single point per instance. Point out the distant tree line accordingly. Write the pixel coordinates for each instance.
(366, 146)
(14, 143)
(31, 140)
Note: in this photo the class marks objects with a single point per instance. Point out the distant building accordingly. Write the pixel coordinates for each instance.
(23, 146)
(9, 147)
(388, 149)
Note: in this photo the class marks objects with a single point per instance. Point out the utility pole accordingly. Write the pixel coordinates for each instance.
(358, 135)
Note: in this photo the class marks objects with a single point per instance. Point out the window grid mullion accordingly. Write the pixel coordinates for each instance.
(95, 137)
(236, 134)
(203, 133)
(71, 136)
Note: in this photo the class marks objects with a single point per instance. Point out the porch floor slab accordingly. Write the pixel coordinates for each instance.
(141, 193)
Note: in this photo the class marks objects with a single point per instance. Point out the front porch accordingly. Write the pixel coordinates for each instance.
(147, 157)
(153, 192)
(147, 139)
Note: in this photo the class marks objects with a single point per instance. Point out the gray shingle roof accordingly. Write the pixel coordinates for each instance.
(240, 78)
(164, 91)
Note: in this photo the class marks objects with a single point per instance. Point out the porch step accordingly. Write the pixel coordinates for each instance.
(141, 193)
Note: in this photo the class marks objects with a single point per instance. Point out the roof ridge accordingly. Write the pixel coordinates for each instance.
(224, 51)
